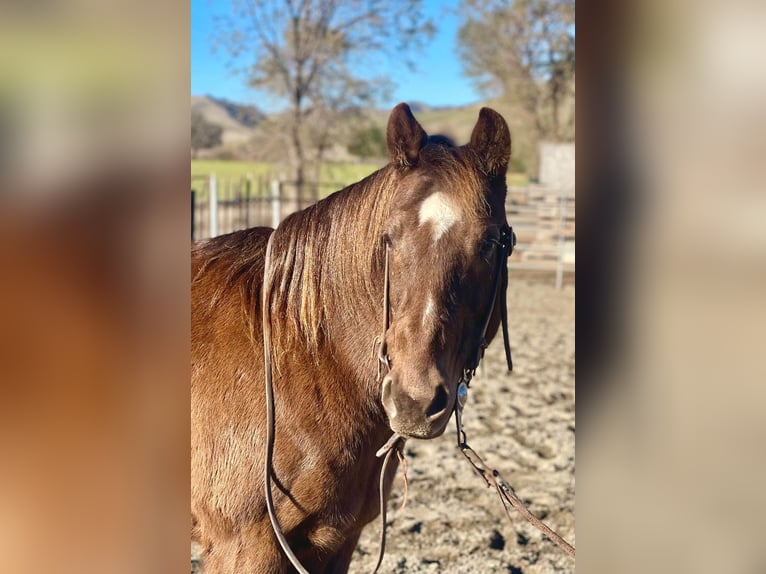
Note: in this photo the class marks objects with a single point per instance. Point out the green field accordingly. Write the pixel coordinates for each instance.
(332, 176)
(335, 176)
(229, 168)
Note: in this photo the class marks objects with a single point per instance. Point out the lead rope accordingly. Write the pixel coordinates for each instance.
(491, 476)
(394, 444)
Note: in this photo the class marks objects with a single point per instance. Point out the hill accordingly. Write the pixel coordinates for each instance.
(239, 122)
(247, 137)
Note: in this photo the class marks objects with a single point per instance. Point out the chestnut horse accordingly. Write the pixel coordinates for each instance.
(426, 226)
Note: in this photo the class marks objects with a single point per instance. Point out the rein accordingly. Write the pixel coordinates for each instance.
(269, 466)
(491, 476)
(395, 443)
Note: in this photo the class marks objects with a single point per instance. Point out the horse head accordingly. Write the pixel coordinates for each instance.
(444, 246)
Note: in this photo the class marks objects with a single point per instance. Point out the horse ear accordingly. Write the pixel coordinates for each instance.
(404, 136)
(491, 140)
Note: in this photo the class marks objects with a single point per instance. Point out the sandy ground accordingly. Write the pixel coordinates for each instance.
(522, 424)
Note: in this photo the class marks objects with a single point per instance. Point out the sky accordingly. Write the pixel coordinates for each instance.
(439, 83)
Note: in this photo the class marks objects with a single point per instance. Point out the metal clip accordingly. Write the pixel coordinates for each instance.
(462, 395)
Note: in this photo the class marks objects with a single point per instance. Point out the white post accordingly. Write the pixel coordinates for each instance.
(213, 188)
(562, 220)
(276, 203)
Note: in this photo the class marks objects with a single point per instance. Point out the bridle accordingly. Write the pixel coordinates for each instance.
(505, 243)
(491, 477)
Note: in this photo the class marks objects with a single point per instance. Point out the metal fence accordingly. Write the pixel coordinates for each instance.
(542, 217)
(223, 205)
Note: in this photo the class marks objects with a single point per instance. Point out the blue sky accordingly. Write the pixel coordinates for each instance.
(439, 82)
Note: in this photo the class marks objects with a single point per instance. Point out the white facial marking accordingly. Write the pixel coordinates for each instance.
(438, 209)
(429, 310)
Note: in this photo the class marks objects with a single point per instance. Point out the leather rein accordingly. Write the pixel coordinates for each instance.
(505, 244)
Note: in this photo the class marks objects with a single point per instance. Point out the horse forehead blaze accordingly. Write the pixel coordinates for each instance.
(440, 211)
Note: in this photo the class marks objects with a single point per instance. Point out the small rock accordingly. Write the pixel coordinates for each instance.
(415, 528)
(497, 542)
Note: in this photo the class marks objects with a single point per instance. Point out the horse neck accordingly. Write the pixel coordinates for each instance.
(331, 277)
(355, 272)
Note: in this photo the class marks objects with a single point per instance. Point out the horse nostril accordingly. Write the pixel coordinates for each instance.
(439, 402)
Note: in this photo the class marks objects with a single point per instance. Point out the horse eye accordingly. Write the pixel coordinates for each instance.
(487, 246)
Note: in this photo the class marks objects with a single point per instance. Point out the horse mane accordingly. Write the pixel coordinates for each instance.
(325, 255)
(325, 258)
(239, 256)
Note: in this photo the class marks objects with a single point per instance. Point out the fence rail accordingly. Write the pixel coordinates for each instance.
(543, 218)
(223, 205)
(544, 221)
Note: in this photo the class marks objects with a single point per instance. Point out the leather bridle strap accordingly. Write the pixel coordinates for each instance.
(505, 243)
(504, 314)
(383, 358)
(396, 442)
(509, 242)
(491, 476)
(268, 467)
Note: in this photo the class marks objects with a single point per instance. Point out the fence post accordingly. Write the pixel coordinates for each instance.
(276, 204)
(560, 261)
(213, 206)
(248, 185)
(193, 197)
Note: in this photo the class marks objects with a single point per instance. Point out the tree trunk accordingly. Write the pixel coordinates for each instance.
(555, 114)
(299, 159)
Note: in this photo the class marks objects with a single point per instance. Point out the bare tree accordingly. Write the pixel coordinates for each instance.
(204, 134)
(315, 56)
(523, 50)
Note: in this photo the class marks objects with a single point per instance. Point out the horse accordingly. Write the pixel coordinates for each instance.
(379, 297)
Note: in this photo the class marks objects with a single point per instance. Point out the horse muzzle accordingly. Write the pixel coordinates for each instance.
(417, 411)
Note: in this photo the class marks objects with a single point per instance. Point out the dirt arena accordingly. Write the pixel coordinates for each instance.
(521, 424)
